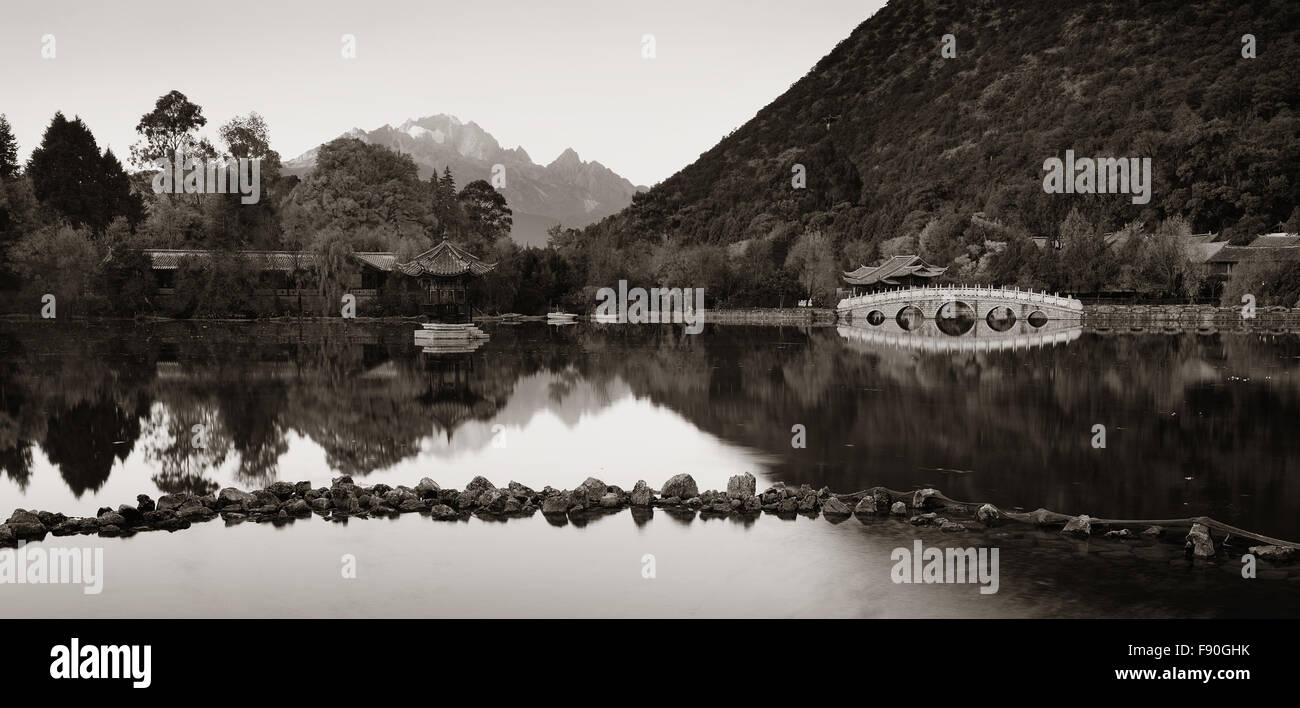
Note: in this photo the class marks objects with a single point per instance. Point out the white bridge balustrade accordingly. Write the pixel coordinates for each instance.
(1020, 305)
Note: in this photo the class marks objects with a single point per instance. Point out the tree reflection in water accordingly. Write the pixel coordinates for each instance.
(85, 395)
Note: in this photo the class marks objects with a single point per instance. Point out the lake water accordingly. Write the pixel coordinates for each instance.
(92, 414)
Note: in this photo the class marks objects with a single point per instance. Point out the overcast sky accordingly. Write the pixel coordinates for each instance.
(544, 75)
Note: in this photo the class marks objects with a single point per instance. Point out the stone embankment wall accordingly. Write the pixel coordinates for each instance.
(772, 315)
(1204, 317)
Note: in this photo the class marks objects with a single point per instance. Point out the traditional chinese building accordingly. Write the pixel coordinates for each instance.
(288, 281)
(445, 272)
(894, 272)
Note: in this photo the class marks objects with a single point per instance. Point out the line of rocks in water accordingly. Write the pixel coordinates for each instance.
(283, 502)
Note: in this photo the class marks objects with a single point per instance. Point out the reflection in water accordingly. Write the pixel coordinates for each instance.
(1000, 319)
(909, 318)
(955, 318)
(94, 414)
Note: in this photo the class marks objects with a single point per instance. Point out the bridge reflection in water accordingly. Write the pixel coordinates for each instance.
(980, 338)
(960, 318)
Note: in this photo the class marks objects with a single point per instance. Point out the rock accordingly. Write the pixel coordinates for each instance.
(832, 506)
(427, 489)
(298, 507)
(230, 495)
(883, 499)
(144, 503)
(282, 490)
(152, 518)
(7, 536)
(951, 526)
(924, 519)
(23, 516)
(1078, 527)
(1119, 534)
(681, 486)
(67, 528)
(346, 505)
(741, 486)
(750, 504)
(988, 515)
(442, 512)
(320, 503)
(609, 501)
(927, 499)
(478, 485)
(694, 502)
(51, 519)
(1042, 517)
(410, 505)
(301, 488)
(520, 491)
(556, 504)
(466, 500)
(172, 501)
(866, 506)
(1153, 531)
(128, 512)
(809, 502)
(1275, 554)
(898, 509)
(593, 489)
(494, 501)
(337, 481)
(1199, 544)
(641, 494)
(194, 511)
(110, 531)
(112, 518)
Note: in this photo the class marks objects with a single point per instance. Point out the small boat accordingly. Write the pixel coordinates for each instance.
(554, 317)
(605, 318)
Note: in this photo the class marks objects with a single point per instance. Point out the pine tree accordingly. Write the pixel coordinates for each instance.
(72, 178)
(8, 150)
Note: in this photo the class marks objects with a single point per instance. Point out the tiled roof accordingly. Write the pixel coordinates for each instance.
(888, 272)
(171, 258)
(1276, 240)
(445, 259)
(1202, 252)
(1244, 254)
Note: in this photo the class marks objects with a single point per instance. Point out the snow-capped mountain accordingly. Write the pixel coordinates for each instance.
(568, 191)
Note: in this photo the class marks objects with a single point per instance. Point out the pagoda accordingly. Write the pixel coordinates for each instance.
(445, 272)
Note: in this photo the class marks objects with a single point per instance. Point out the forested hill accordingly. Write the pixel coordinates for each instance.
(893, 136)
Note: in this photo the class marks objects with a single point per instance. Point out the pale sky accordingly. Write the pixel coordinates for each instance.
(542, 75)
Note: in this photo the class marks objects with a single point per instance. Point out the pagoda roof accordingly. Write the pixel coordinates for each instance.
(445, 260)
(891, 270)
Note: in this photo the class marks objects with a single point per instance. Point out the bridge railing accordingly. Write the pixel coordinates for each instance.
(960, 292)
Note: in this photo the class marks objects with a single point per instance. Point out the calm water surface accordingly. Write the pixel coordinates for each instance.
(92, 414)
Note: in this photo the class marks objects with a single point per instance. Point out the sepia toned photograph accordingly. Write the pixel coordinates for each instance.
(977, 311)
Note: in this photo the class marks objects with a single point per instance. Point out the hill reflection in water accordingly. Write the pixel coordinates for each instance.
(95, 413)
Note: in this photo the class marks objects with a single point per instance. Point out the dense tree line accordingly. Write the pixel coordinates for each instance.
(73, 221)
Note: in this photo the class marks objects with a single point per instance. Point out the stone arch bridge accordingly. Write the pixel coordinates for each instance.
(997, 306)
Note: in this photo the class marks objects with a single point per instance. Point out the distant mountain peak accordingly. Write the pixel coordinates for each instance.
(568, 191)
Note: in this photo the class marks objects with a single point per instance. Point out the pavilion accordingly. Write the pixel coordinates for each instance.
(894, 272)
(446, 271)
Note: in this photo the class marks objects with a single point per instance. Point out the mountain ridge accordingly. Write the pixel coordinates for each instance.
(568, 191)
